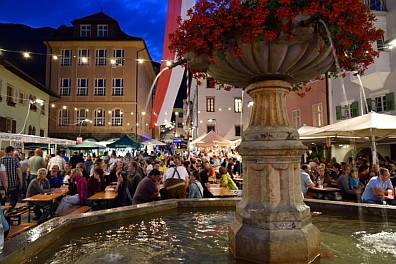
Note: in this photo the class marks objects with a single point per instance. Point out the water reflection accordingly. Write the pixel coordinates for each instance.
(201, 237)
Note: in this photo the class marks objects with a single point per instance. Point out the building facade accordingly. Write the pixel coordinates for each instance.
(375, 92)
(103, 77)
(226, 110)
(24, 102)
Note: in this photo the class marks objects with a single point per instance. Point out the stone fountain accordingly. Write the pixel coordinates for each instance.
(272, 223)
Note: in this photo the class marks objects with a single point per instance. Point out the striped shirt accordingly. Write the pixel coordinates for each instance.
(11, 164)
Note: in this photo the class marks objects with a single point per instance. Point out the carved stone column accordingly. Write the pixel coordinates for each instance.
(272, 225)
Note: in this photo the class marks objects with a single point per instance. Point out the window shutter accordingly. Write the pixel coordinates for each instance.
(355, 109)
(369, 104)
(3, 125)
(338, 112)
(390, 102)
(13, 124)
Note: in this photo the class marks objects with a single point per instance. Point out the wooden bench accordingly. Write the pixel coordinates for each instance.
(16, 230)
(78, 210)
(16, 214)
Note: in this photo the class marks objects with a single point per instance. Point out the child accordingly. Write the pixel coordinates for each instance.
(353, 180)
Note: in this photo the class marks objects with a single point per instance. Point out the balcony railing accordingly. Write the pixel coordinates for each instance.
(376, 5)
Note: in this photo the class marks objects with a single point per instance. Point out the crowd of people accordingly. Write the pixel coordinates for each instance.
(357, 180)
(136, 178)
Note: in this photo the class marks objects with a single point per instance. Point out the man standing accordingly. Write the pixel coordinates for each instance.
(35, 163)
(14, 173)
(176, 181)
(57, 160)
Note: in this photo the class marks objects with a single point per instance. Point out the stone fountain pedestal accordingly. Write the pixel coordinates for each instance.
(272, 225)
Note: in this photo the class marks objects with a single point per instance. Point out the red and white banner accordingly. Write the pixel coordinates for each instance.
(169, 83)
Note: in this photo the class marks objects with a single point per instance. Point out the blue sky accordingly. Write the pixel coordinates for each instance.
(140, 18)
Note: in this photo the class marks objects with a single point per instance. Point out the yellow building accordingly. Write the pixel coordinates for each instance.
(103, 77)
(22, 98)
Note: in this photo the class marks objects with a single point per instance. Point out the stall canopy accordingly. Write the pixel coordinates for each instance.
(371, 125)
(124, 142)
(35, 139)
(211, 139)
(87, 145)
(153, 142)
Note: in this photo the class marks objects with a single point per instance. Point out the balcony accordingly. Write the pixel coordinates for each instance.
(376, 5)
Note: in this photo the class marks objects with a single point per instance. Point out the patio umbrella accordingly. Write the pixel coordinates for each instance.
(371, 125)
(87, 145)
(124, 142)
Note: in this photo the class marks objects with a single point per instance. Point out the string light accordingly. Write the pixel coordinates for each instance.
(84, 60)
(52, 105)
(64, 107)
(26, 55)
(141, 61)
(112, 61)
(168, 63)
(143, 113)
(54, 57)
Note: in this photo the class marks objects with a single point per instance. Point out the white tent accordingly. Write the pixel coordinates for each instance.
(371, 125)
(306, 132)
(211, 139)
(153, 142)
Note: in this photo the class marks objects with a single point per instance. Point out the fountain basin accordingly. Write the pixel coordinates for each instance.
(195, 231)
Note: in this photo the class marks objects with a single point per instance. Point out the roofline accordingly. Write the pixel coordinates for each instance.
(11, 67)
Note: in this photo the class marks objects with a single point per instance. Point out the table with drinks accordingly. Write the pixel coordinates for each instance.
(106, 197)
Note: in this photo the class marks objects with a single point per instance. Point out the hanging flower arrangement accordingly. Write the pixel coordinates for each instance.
(219, 26)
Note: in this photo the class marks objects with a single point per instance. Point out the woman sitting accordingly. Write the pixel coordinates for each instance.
(78, 189)
(124, 196)
(40, 185)
(195, 188)
(96, 182)
(226, 180)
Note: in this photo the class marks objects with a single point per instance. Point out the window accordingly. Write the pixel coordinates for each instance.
(116, 117)
(210, 104)
(237, 130)
(118, 55)
(66, 57)
(10, 95)
(317, 115)
(82, 87)
(210, 83)
(83, 56)
(81, 115)
(99, 117)
(65, 87)
(347, 111)
(85, 30)
(100, 87)
(33, 107)
(7, 125)
(100, 57)
(32, 130)
(41, 132)
(379, 104)
(118, 87)
(103, 30)
(296, 118)
(238, 105)
(42, 109)
(210, 128)
(64, 117)
(21, 98)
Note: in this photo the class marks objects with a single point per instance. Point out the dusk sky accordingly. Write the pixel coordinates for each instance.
(140, 18)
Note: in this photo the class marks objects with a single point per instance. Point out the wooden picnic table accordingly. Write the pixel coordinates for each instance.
(221, 192)
(50, 197)
(101, 196)
(325, 189)
(104, 200)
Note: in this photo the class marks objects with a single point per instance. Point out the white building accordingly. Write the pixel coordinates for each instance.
(218, 108)
(378, 93)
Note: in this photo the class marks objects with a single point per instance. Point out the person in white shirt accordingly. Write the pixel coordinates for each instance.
(175, 181)
(57, 160)
(306, 182)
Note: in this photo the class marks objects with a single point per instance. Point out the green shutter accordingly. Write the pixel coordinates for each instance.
(369, 106)
(338, 112)
(355, 109)
(390, 102)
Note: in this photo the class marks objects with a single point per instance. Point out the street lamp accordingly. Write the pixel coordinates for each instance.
(80, 123)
